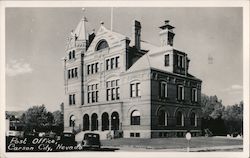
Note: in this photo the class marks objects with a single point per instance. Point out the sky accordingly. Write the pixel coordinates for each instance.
(36, 40)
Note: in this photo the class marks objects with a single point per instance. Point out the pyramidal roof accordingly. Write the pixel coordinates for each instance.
(80, 31)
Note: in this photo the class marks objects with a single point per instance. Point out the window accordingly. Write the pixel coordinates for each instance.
(180, 61)
(194, 95)
(92, 68)
(162, 118)
(72, 73)
(92, 93)
(112, 63)
(96, 67)
(163, 90)
(88, 67)
(137, 134)
(117, 61)
(135, 89)
(101, 45)
(72, 55)
(193, 119)
(132, 134)
(75, 72)
(69, 74)
(69, 55)
(167, 60)
(180, 92)
(179, 119)
(135, 117)
(72, 99)
(113, 90)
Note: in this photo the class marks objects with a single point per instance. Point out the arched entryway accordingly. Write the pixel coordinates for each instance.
(85, 122)
(115, 121)
(105, 121)
(94, 122)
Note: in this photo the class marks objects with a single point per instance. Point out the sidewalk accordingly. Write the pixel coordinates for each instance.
(238, 148)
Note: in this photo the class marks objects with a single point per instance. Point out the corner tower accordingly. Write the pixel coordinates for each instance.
(73, 72)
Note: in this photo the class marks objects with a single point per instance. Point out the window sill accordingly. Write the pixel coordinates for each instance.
(93, 74)
(139, 97)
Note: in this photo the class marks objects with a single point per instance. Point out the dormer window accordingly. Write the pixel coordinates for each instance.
(180, 61)
(102, 45)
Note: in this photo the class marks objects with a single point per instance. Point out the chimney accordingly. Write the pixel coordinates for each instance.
(136, 34)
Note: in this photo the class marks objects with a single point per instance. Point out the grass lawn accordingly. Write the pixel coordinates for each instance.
(172, 143)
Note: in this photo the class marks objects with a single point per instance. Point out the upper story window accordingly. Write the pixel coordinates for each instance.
(72, 100)
(166, 60)
(135, 89)
(163, 90)
(101, 45)
(93, 93)
(112, 63)
(180, 92)
(72, 55)
(194, 95)
(72, 73)
(113, 90)
(180, 61)
(93, 68)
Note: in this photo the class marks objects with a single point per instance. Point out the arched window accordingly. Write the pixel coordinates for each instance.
(94, 122)
(162, 118)
(193, 119)
(85, 122)
(105, 121)
(101, 45)
(72, 121)
(135, 117)
(179, 119)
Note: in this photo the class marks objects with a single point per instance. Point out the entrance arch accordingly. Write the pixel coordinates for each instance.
(115, 121)
(94, 122)
(85, 122)
(105, 121)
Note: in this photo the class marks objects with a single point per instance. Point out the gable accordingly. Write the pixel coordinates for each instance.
(111, 38)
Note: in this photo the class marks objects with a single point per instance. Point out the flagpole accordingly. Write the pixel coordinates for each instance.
(111, 19)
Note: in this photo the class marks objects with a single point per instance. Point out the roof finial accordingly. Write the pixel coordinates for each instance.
(84, 18)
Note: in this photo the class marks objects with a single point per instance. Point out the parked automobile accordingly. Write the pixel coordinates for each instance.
(91, 140)
(68, 139)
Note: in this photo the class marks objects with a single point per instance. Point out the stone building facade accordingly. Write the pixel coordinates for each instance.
(125, 87)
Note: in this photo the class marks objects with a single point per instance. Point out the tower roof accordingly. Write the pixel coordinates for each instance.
(80, 31)
(79, 34)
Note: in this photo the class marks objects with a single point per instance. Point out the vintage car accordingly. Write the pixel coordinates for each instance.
(91, 140)
(68, 139)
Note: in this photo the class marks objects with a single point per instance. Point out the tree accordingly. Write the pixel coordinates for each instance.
(38, 118)
(233, 116)
(212, 110)
(211, 107)
(58, 121)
